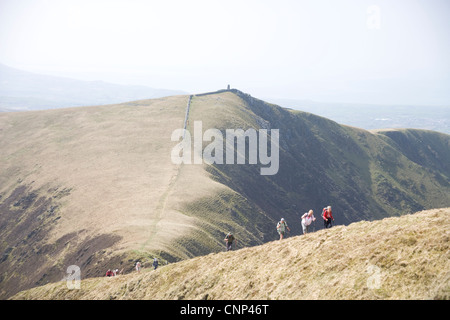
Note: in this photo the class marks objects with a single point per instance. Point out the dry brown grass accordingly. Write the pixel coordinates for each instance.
(113, 160)
(408, 255)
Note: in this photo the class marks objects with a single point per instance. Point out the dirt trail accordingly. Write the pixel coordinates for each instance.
(162, 202)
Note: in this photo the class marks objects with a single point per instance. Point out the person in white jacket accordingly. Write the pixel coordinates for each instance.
(307, 219)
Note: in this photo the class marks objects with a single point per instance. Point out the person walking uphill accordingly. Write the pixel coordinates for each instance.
(281, 228)
(307, 219)
(155, 263)
(229, 241)
(327, 217)
(138, 267)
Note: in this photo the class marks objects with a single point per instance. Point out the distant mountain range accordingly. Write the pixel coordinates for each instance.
(21, 90)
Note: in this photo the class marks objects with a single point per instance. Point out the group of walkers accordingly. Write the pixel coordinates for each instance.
(282, 226)
(113, 273)
(155, 265)
(307, 220)
(138, 267)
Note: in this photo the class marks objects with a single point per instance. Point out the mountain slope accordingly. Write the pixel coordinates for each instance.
(96, 187)
(373, 116)
(395, 258)
(364, 174)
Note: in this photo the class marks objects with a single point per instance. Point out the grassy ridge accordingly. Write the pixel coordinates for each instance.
(364, 175)
(395, 258)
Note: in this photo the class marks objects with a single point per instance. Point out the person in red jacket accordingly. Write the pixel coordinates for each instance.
(327, 217)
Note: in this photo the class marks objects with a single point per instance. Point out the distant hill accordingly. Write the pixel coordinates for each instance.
(96, 187)
(21, 90)
(403, 258)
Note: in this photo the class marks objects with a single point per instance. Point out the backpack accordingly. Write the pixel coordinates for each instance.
(281, 226)
(230, 237)
(325, 213)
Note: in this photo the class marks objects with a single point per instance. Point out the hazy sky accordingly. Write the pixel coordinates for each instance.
(389, 52)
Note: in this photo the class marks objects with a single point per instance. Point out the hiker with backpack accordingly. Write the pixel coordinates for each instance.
(307, 219)
(281, 228)
(327, 217)
(109, 273)
(155, 263)
(229, 238)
